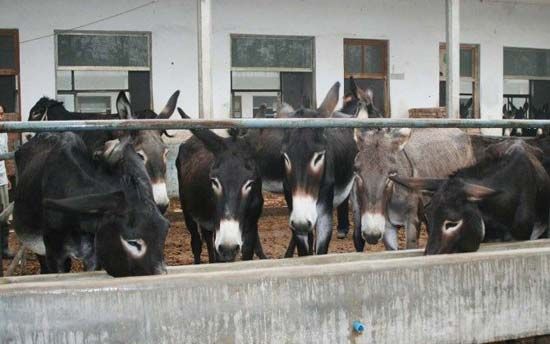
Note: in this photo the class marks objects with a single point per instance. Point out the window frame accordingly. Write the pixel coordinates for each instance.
(522, 77)
(15, 72)
(280, 70)
(475, 79)
(73, 91)
(385, 44)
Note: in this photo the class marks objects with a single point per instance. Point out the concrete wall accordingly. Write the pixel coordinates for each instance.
(497, 294)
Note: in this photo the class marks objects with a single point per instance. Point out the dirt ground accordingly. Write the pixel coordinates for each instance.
(274, 234)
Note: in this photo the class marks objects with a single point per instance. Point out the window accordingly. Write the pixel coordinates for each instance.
(9, 73)
(527, 81)
(92, 67)
(469, 79)
(367, 61)
(266, 70)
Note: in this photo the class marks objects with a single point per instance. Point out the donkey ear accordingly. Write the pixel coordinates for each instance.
(331, 100)
(110, 202)
(123, 106)
(426, 185)
(211, 141)
(400, 138)
(477, 193)
(353, 87)
(113, 150)
(183, 115)
(170, 106)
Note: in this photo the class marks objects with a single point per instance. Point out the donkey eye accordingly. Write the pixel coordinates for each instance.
(142, 155)
(451, 226)
(318, 158)
(288, 165)
(216, 186)
(248, 186)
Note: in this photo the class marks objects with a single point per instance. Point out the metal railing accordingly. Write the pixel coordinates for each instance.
(261, 123)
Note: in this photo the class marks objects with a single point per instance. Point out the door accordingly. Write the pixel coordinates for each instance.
(10, 86)
(366, 60)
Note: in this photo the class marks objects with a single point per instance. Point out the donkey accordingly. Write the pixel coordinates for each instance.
(101, 210)
(220, 190)
(379, 206)
(505, 196)
(147, 143)
(354, 98)
(318, 175)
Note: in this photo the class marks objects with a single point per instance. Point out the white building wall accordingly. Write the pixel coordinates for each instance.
(414, 29)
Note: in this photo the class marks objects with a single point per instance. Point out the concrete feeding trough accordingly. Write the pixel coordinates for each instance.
(499, 293)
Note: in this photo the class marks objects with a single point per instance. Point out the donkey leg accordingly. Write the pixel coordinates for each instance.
(324, 232)
(291, 247)
(250, 243)
(259, 250)
(358, 240)
(390, 238)
(343, 220)
(43, 264)
(302, 242)
(196, 241)
(412, 229)
(208, 236)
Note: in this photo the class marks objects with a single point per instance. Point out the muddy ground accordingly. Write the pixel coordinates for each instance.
(274, 234)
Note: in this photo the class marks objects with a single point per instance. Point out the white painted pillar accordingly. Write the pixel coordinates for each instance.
(453, 58)
(204, 25)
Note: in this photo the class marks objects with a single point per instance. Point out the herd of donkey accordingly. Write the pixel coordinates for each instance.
(100, 196)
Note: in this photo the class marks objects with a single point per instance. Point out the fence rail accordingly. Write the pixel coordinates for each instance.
(145, 124)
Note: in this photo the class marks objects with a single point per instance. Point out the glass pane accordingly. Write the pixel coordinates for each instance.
(378, 88)
(374, 59)
(68, 101)
(64, 80)
(352, 59)
(297, 89)
(526, 62)
(466, 106)
(103, 50)
(516, 87)
(466, 63)
(255, 80)
(249, 104)
(269, 101)
(540, 97)
(466, 87)
(101, 80)
(271, 51)
(101, 102)
(8, 93)
(7, 52)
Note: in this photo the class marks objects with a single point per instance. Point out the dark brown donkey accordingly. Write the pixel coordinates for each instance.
(221, 195)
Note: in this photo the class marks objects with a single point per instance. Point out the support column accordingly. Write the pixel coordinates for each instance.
(204, 26)
(453, 58)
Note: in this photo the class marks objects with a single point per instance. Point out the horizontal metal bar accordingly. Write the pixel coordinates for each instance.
(260, 123)
(7, 156)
